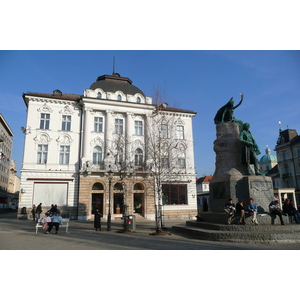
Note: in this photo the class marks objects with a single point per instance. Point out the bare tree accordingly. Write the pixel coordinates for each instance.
(165, 154)
(121, 163)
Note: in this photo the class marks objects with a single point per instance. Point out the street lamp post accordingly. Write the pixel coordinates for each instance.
(110, 175)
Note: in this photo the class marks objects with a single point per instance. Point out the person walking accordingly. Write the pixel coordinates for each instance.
(33, 211)
(97, 219)
(205, 204)
(38, 211)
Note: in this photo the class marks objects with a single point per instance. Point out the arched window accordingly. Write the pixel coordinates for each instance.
(118, 186)
(97, 155)
(138, 187)
(138, 158)
(99, 95)
(97, 186)
(138, 100)
(119, 97)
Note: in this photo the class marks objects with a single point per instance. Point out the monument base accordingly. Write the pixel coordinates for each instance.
(260, 188)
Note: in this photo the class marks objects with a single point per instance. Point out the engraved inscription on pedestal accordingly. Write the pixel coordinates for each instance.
(218, 190)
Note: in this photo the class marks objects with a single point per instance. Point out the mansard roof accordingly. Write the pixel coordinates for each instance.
(114, 83)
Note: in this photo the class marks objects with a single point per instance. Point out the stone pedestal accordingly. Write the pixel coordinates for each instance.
(260, 188)
(229, 180)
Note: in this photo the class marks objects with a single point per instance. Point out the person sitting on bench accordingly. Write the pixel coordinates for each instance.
(56, 221)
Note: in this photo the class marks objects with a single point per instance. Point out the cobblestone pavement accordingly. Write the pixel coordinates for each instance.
(18, 234)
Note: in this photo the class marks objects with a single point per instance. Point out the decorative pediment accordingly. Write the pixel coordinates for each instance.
(179, 121)
(67, 110)
(119, 116)
(64, 139)
(42, 138)
(97, 141)
(45, 109)
(138, 144)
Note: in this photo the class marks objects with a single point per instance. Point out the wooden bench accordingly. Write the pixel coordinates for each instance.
(64, 225)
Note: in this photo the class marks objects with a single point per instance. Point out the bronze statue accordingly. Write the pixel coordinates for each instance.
(225, 113)
(249, 150)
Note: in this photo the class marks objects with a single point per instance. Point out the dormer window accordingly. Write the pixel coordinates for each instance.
(119, 97)
(138, 100)
(99, 95)
(57, 93)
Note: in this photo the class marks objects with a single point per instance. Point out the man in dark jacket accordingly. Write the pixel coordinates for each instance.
(229, 209)
(38, 211)
(289, 209)
(275, 210)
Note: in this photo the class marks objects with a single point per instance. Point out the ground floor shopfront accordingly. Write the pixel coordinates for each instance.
(97, 191)
(77, 195)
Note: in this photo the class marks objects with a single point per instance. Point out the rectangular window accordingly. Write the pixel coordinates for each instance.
(45, 121)
(138, 158)
(98, 124)
(42, 154)
(284, 155)
(138, 127)
(180, 132)
(181, 163)
(119, 126)
(64, 155)
(66, 123)
(164, 131)
(174, 194)
(165, 162)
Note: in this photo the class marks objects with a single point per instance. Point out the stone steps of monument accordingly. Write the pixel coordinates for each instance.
(291, 227)
(261, 234)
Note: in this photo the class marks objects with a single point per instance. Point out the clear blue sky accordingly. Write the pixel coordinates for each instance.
(202, 81)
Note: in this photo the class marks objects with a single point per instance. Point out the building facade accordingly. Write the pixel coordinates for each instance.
(110, 148)
(288, 156)
(6, 146)
(202, 184)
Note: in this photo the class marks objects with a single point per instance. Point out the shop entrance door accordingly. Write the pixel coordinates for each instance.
(97, 202)
(139, 203)
(118, 203)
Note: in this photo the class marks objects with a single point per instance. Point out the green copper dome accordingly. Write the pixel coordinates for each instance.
(268, 157)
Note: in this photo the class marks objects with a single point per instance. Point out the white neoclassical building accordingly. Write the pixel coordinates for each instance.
(108, 148)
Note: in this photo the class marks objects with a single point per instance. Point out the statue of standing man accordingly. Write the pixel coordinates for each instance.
(249, 150)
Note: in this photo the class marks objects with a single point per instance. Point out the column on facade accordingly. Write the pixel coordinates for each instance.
(147, 133)
(88, 128)
(109, 129)
(129, 133)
